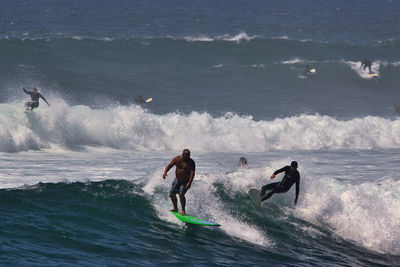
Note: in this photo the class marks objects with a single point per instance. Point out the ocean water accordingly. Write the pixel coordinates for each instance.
(81, 180)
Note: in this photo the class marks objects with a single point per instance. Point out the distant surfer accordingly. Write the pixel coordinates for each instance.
(365, 63)
(185, 170)
(242, 162)
(307, 71)
(396, 108)
(35, 95)
(139, 99)
(291, 176)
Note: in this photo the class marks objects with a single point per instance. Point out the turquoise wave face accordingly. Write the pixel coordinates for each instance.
(116, 220)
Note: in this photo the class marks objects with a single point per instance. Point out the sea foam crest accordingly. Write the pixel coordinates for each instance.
(132, 127)
(230, 38)
(367, 213)
(356, 66)
(238, 38)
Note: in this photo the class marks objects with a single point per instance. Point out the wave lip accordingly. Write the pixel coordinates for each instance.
(132, 127)
(367, 214)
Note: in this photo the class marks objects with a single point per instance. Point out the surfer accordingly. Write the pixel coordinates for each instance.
(139, 99)
(35, 99)
(307, 71)
(396, 108)
(365, 63)
(184, 173)
(291, 176)
(242, 161)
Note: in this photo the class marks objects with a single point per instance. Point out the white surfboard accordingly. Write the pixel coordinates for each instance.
(308, 75)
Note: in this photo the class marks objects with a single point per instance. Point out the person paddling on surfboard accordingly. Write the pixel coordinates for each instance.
(291, 176)
(365, 63)
(307, 71)
(185, 170)
(396, 108)
(35, 99)
(139, 100)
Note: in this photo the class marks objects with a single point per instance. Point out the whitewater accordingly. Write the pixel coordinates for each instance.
(134, 127)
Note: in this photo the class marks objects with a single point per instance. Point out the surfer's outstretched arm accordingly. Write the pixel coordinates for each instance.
(44, 100)
(277, 172)
(26, 92)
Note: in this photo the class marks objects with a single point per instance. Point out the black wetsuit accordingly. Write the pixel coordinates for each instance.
(35, 99)
(366, 64)
(291, 177)
(307, 71)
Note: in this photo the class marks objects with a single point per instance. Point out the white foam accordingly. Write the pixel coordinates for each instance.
(132, 127)
(356, 66)
(202, 201)
(283, 37)
(293, 61)
(238, 38)
(366, 213)
(199, 39)
(396, 64)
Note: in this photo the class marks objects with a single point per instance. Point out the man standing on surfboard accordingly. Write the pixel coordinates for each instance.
(185, 170)
(34, 97)
(365, 63)
(291, 176)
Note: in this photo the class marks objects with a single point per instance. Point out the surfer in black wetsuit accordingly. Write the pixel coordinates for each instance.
(396, 108)
(35, 99)
(291, 176)
(365, 63)
(139, 99)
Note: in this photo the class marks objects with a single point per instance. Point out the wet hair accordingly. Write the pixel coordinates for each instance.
(242, 161)
(293, 164)
(186, 151)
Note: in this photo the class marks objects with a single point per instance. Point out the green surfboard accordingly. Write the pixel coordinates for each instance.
(193, 220)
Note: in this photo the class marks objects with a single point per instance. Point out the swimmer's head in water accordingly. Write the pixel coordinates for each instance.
(242, 161)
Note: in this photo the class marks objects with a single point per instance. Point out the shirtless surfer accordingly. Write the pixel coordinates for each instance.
(185, 170)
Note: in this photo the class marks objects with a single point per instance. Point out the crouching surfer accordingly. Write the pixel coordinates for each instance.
(291, 176)
(35, 95)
